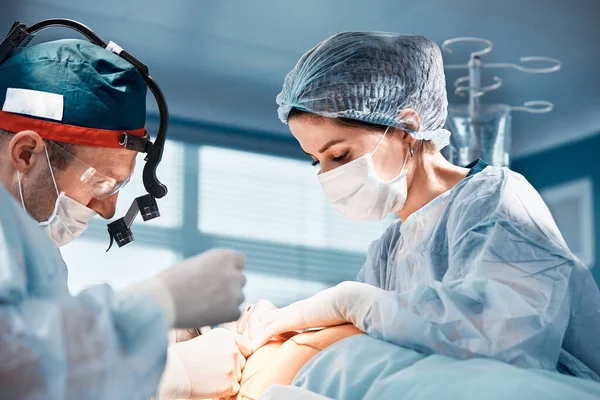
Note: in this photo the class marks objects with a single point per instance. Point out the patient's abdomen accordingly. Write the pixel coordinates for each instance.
(279, 361)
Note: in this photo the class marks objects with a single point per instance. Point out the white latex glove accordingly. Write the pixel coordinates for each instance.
(201, 291)
(207, 366)
(248, 324)
(348, 302)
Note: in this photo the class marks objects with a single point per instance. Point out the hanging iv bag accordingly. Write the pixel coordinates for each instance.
(486, 135)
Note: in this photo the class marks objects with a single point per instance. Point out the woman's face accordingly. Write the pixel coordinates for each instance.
(331, 145)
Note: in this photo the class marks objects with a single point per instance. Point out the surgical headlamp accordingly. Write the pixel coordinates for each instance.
(120, 232)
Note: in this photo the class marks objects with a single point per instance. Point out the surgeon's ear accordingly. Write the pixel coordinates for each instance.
(22, 149)
(411, 119)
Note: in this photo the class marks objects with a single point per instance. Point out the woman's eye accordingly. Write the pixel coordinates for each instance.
(340, 158)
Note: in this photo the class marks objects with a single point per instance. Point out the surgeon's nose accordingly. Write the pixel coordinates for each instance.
(106, 207)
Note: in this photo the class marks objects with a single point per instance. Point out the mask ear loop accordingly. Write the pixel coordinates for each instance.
(406, 159)
(410, 151)
(380, 140)
(51, 172)
(21, 190)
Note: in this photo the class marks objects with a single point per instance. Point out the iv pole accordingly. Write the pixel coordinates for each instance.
(471, 85)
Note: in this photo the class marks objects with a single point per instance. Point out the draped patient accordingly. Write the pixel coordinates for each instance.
(280, 359)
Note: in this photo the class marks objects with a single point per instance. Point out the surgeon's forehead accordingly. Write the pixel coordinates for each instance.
(315, 129)
(314, 134)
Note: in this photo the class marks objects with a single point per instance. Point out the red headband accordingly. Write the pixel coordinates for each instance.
(66, 133)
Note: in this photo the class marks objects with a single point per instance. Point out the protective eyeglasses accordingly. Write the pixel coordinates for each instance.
(100, 186)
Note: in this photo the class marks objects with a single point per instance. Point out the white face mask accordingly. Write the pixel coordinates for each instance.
(69, 218)
(359, 193)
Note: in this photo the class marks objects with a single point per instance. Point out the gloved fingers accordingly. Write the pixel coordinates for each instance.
(239, 259)
(240, 362)
(242, 323)
(244, 345)
(284, 319)
(267, 323)
(260, 308)
(235, 388)
(317, 311)
(262, 332)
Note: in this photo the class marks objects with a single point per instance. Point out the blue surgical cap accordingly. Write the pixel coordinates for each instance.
(73, 91)
(372, 77)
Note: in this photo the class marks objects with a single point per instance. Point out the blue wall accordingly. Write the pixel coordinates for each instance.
(567, 163)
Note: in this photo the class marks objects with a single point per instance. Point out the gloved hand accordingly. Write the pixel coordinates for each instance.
(203, 290)
(348, 302)
(248, 324)
(206, 366)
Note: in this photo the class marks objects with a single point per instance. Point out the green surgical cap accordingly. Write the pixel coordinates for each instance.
(98, 88)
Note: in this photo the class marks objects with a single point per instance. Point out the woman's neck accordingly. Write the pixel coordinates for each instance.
(432, 175)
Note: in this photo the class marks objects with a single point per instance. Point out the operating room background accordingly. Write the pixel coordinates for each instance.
(237, 178)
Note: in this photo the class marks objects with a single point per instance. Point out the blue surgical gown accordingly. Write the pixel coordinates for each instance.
(483, 271)
(57, 346)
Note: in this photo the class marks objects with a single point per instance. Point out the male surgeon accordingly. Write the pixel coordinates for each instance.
(64, 106)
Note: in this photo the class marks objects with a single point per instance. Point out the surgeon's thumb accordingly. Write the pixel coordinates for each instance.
(244, 344)
(267, 326)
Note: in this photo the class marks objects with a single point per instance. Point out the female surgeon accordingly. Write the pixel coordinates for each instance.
(475, 265)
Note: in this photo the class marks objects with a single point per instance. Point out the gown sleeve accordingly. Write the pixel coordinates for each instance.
(54, 345)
